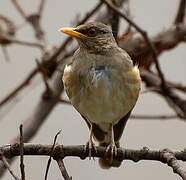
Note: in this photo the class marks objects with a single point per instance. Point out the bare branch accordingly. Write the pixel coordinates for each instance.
(77, 151)
(163, 41)
(41, 7)
(19, 8)
(34, 20)
(41, 111)
(146, 38)
(174, 101)
(153, 117)
(113, 17)
(51, 154)
(26, 43)
(22, 166)
(22, 85)
(64, 101)
(6, 164)
(173, 162)
(180, 13)
(63, 170)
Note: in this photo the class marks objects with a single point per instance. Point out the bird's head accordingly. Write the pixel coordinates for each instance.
(94, 36)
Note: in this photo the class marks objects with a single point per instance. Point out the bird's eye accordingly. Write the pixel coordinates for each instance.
(103, 32)
(92, 32)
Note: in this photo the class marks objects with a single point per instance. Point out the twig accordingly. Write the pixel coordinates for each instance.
(146, 38)
(64, 101)
(37, 117)
(41, 7)
(170, 84)
(173, 162)
(19, 8)
(143, 117)
(22, 166)
(33, 20)
(151, 89)
(177, 86)
(6, 164)
(26, 43)
(51, 154)
(163, 41)
(180, 13)
(113, 17)
(177, 103)
(16, 90)
(63, 170)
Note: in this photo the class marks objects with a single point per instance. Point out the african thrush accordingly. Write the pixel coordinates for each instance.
(103, 85)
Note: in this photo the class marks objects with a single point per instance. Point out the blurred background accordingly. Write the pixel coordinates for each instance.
(154, 17)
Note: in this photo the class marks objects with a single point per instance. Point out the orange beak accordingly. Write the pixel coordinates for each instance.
(72, 32)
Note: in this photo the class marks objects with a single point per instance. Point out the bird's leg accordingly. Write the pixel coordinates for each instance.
(112, 146)
(90, 145)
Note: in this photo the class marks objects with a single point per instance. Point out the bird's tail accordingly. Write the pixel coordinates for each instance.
(105, 162)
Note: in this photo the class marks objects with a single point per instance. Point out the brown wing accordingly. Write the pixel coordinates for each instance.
(119, 127)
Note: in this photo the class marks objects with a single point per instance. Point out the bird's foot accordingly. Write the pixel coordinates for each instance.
(113, 151)
(89, 146)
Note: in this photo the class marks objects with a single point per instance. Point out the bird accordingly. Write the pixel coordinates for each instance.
(103, 85)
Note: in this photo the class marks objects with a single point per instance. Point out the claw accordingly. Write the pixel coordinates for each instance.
(111, 147)
(90, 145)
(113, 151)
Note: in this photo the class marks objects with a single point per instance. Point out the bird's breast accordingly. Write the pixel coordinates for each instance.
(105, 95)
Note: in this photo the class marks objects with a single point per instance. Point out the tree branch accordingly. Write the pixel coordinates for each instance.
(146, 38)
(180, 13)
(22, 166)
(63, 169)
(163, 41)
(6, 164)
(42, 110)
(173, 162)
(61, 151)
(174, 101)
(21, 86)
(153, 117)
(51, 153)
